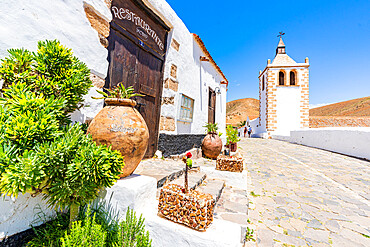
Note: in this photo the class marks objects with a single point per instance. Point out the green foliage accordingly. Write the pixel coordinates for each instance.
(189, 163)
(52, 71)
(85, 233)
(27, 118)
(120, 92)
(211, 127)
(241, 123)
(78, 167)
(231, 135)
(100, 220)
(132, 232)
(105, 216)
(39, 153)
(249, 235)
(50, 233)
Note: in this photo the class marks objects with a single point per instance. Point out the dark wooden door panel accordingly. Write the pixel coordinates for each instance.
(211, 105)
(133, 66)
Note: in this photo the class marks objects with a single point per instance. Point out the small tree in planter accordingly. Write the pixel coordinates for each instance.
(188, 164)
(232, 138)
(39, 153)
(188, 207)
(211, 144)
(121, 126)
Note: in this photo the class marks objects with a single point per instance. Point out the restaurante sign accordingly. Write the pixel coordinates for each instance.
(137, 22)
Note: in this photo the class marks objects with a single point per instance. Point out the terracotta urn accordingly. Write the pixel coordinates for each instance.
(120, 125)
(233, 146)
(211, 145)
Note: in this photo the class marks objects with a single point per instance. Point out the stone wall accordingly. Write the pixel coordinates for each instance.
(178, 144)
(320, 122)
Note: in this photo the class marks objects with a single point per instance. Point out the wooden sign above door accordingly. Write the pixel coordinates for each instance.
(137, 19)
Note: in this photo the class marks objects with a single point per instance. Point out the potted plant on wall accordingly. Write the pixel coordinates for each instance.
(232, 138)
(211, 144)
(121, 126)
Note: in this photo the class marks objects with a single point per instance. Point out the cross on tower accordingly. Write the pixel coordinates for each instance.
(280, 34)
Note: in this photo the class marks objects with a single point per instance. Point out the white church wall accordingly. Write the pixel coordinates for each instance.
(287, 109)
(262, 123)
(352, 141)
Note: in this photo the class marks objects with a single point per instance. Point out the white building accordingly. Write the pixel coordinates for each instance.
(283, 95)
(142, 43)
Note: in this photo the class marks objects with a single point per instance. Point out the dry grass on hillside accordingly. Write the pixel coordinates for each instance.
(239, 110)
(354, 108)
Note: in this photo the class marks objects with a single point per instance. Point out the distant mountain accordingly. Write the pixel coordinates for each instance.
(240, 109)
(351, 108)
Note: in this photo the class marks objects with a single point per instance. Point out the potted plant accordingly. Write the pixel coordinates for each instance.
(232, 138)
(211, 144)
(121, 126)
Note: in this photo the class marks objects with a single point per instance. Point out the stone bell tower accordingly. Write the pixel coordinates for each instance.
(283, 94)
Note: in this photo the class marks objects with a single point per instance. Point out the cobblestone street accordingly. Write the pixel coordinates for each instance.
(301, 196)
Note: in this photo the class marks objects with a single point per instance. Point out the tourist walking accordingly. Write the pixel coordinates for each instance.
(245, 131)
(249, 131)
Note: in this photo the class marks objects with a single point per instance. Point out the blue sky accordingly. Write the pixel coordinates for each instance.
(241, 36)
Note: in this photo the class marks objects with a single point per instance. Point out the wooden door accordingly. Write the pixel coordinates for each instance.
(136, 55)
(211, 105)
(131, 65)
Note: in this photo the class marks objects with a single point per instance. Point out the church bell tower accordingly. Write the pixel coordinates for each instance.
(283, 94)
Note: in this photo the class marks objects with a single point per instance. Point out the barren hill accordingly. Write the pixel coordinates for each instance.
(353, 108)
(238, 110)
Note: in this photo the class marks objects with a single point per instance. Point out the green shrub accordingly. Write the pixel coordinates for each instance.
(39, 153)
(50, 232)
(52, 71)
(132, 231)
(231, 135)
(97, 218)
(85, 233)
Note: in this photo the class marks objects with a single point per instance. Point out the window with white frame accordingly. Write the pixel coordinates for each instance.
(186, 109)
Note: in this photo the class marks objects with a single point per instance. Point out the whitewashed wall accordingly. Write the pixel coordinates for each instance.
(18, 214)
(194, 77)
(346, 140)
(23, 23)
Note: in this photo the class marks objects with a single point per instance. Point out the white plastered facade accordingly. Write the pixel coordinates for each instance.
(24, 22)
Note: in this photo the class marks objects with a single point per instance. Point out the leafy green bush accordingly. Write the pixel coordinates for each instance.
(52, 71)
(85, 233)
(231, 135)
(39, 153)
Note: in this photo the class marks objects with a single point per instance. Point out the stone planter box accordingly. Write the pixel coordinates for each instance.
(229, 163)
(194, 209)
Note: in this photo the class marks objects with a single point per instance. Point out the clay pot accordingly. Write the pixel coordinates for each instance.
(211, 145)
(233, 146)
(120, 125)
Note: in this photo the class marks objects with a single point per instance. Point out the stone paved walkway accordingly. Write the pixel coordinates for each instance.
(303, 196)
